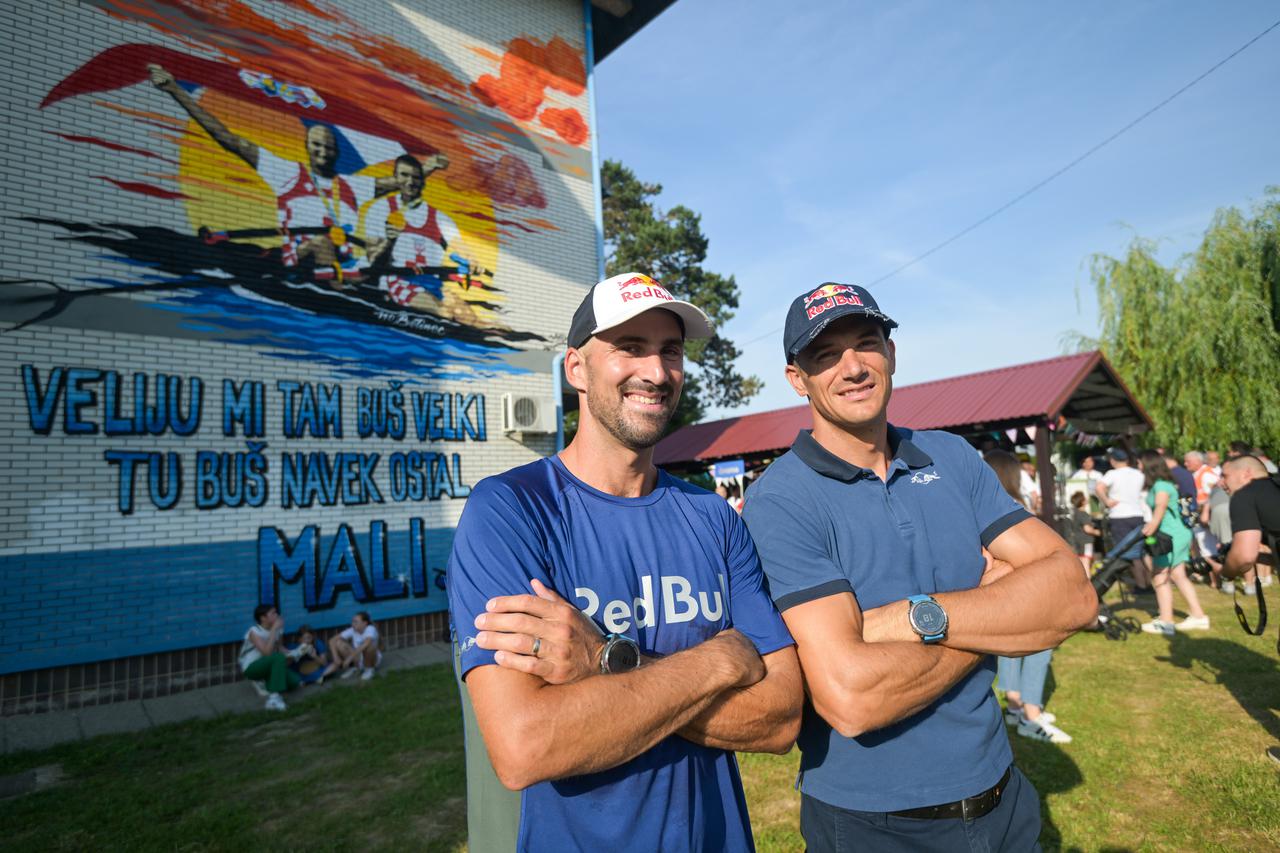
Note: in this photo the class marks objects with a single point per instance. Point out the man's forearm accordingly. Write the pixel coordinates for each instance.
(1032, 608)
(764, 717)
(600, 722)
(885, 683)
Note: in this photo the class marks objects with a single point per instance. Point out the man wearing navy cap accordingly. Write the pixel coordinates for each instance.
(872, 537)
(617, 721)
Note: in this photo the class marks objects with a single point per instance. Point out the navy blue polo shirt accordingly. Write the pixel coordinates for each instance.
(822, 527)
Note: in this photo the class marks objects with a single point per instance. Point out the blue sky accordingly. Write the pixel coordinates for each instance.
(838, 140)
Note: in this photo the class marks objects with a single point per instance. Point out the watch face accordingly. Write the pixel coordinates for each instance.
(623, 657)
(929, 618)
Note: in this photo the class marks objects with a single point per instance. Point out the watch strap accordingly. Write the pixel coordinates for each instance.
(912, 602)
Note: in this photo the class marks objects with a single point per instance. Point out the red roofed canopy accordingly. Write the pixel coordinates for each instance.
(1079, 392)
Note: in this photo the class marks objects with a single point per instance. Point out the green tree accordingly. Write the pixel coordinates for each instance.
(1199, 343)
(670, 246)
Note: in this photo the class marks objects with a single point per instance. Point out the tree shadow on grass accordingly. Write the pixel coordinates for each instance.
(1251, 678)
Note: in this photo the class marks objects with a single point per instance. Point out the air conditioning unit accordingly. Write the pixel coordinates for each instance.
(528, 414)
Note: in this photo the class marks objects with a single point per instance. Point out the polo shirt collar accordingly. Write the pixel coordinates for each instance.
(827, 464)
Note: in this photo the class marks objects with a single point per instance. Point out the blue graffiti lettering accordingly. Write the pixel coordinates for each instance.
(164, 477)
(246, 406)
(41, 404)
(231, 479)
(306, 478)
(308, 409)
(449, 417)
(278, 560)
(342, 569)
(380, 412)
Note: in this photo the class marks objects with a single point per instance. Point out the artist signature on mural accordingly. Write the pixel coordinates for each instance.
(409, 321)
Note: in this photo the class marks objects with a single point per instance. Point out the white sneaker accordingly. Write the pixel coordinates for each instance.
(348, 672)
(1227, 588)
(369, 673)
(1155, 626)
(1193, 623)
(1040, 729)
(275, 703)
(1013, 718)
(1268, 580)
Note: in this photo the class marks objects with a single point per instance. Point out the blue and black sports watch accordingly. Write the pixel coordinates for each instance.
(927, 618)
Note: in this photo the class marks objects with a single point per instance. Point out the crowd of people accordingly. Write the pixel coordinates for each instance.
(1183, 508)
(280, 665)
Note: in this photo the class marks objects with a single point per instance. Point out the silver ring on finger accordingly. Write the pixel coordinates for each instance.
(537, 646)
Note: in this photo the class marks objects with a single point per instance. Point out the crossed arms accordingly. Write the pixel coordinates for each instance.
(866, 670)
(554, 715)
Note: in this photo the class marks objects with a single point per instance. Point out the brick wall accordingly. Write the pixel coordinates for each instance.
(148, 265)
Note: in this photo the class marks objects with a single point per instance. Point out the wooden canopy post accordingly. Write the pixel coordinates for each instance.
(1044, 472)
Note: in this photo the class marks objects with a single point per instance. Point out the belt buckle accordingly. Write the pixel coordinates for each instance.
(967, 805)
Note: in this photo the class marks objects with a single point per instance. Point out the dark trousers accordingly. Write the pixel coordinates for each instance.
(1011, 827)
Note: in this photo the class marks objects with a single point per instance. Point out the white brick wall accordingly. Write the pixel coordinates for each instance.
(57, 493)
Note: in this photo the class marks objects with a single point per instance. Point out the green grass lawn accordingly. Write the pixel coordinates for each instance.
(1168, 755)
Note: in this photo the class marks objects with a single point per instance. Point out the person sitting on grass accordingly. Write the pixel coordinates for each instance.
(309, 656)
(261, 658)
(356, 648)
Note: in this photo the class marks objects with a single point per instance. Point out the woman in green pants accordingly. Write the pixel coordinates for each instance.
(262, 657)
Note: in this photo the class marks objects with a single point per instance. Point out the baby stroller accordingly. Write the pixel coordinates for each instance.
(1113, 566)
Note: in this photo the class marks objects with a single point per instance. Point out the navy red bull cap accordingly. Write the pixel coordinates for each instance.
(812, 311)
(616, 300)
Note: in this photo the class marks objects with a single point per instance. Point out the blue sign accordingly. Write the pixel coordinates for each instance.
(725, 470)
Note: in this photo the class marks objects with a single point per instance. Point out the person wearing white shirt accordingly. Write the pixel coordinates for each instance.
(1120, 491)
(356, 648)
(263, 659)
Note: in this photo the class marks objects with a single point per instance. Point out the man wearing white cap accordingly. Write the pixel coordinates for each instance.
(617, 721)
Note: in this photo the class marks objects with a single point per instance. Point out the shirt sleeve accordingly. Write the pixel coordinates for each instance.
(1244, 512)
(751, 610)
(994, 509)
(348, 634)
(793, 553)
(497, 550)
(278, 172)
(448, 230)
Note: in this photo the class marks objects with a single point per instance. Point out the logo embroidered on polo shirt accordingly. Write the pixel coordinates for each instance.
(922, 478)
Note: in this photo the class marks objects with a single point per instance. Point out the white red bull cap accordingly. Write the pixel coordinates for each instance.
(616, 300)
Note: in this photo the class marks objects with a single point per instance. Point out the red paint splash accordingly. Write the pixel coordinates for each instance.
(567, 124)
(143, 189)
(371, 82)
(509, 181)
(113, 146)
(474, 214)
(528, 69)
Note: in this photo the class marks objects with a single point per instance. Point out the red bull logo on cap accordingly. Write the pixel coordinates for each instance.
(828, 296)
(641, 287)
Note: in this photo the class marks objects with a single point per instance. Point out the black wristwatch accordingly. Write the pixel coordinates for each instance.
(621, 654)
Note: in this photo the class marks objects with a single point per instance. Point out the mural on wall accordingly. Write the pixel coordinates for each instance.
(325, 199)
(339, 188)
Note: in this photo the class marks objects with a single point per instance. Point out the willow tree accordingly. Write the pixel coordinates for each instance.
(1199, 343)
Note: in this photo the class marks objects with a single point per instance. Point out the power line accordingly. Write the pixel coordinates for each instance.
(1063, 170)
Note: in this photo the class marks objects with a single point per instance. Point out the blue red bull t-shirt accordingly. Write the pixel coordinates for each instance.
(670, 570)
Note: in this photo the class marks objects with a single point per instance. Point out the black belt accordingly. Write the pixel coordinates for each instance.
(969, 808)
